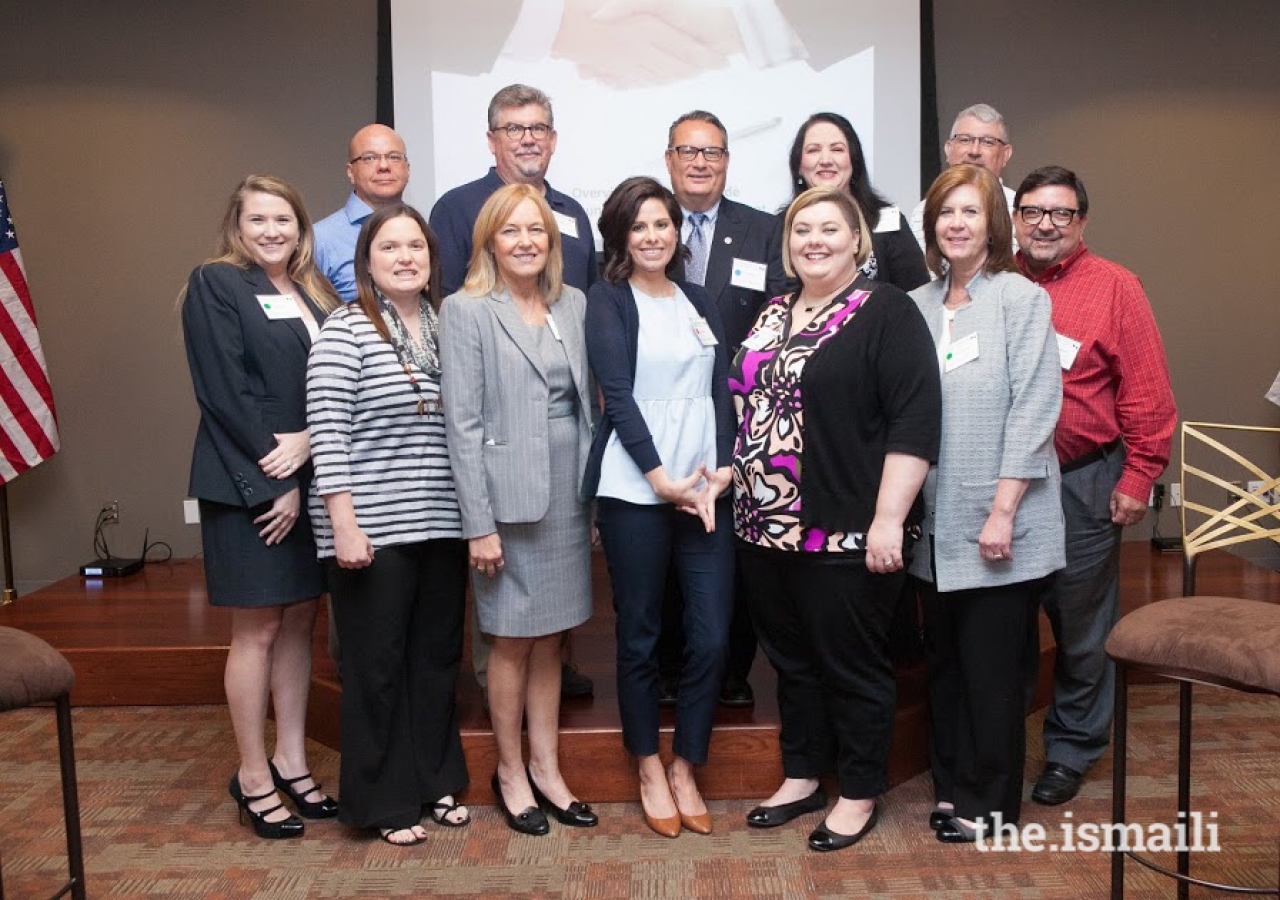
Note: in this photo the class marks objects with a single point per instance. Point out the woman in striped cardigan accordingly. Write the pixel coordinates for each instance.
(387, 526)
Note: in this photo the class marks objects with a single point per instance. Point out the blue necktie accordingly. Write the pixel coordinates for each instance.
(696, 270)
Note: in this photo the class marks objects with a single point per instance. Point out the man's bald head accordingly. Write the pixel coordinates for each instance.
(377, 165)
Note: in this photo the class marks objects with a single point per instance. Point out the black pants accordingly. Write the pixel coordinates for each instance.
(400, 624)
(823, 622)
(977, 650)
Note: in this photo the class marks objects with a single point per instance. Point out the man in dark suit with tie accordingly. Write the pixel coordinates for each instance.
(736, 254)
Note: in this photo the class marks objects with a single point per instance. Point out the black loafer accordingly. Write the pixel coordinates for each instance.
(938, 818)
(577, 813)
(773, 816)
(529, 821)
(736, 693)
(823, 839)
(953, 831)
(1057, 784)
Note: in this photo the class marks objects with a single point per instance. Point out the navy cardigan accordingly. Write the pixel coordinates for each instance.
(613, 331)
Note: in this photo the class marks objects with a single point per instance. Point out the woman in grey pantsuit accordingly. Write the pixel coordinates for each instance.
(993, 527)
(517, 410)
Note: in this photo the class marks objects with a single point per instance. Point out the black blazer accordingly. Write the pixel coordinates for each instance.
(742, 232)
(249, 374)
(613, 335)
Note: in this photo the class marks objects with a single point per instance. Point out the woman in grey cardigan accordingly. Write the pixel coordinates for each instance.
(993, 528)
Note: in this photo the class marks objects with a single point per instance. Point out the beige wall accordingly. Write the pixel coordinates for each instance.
(1171, 114)
(123, 127)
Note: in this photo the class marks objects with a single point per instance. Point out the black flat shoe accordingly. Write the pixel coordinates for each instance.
(529, 821)
(291, 827)
(1057, 784)
(938, 818)
(823, 839)
(953, 831)
(324, 808)
(773, 816)
(577, 813)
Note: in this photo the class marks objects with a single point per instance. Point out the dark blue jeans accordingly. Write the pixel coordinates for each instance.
(640, 543)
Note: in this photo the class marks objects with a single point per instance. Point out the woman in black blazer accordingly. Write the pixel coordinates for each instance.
(658, 467)
(248, 316)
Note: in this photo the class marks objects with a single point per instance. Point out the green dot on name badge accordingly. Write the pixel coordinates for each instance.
(948, 356)
(266, 306)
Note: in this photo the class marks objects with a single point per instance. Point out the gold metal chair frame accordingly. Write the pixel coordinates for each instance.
(1244, 517)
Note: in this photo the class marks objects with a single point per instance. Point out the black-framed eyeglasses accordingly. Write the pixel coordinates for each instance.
(986, 141)
(515, 132)
(372, 159)
(1059, 215)
(687, 154)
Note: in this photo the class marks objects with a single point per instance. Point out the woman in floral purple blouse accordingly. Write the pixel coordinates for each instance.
(839, 407)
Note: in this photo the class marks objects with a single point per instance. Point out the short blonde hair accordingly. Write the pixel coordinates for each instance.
(482, 273)
(848, 208)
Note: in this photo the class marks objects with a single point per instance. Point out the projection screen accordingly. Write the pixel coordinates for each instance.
(619, 71)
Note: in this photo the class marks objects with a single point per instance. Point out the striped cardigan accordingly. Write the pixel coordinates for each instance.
(368, 438)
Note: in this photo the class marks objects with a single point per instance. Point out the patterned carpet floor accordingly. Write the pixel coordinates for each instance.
(158, 824)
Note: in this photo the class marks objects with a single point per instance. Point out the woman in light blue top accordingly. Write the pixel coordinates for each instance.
(659, 467)
(993, 509)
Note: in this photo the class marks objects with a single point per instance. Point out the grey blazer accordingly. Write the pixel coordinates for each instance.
(495, 405)
(999, 413)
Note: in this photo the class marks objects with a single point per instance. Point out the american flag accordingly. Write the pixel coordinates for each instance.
(28, 423)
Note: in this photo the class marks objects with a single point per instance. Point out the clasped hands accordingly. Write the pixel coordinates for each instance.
(696, 494)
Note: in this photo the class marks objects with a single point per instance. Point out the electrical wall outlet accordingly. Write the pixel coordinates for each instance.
(110, 511)
(191, 511)
(1156, 498)
(1175, 495)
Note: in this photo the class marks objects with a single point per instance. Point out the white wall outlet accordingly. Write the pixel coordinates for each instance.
(1175, 495)
(191, 511)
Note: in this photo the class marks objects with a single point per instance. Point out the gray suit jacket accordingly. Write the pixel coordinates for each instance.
(495, 405)
(999, 413)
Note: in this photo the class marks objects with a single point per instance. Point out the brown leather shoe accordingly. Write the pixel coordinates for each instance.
(668, 827)
(699, 824)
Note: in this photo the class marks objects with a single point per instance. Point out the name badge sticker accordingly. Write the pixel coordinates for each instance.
(890, 220)
(279, 306)
(962, 351)
(703, 331)
(758, 340)
(1067, 350)
(747, 274)
(555, 332)
(568, 225)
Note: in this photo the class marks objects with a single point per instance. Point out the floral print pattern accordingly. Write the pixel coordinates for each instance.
(765, 384)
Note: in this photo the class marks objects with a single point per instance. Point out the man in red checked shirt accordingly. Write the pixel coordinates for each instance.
(1113, 440)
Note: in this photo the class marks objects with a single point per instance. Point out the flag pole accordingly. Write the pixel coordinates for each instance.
(10, 590)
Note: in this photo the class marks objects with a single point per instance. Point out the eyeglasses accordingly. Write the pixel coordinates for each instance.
(986, 141)
(1059, 216)
(372, 159)
(688, 154)
(516, 132)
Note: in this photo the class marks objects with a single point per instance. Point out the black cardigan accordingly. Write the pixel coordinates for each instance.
(872, 389)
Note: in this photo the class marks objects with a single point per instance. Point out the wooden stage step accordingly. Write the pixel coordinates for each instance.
(152, 639)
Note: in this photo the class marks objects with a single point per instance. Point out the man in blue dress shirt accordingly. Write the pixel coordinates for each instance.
(378, 169)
